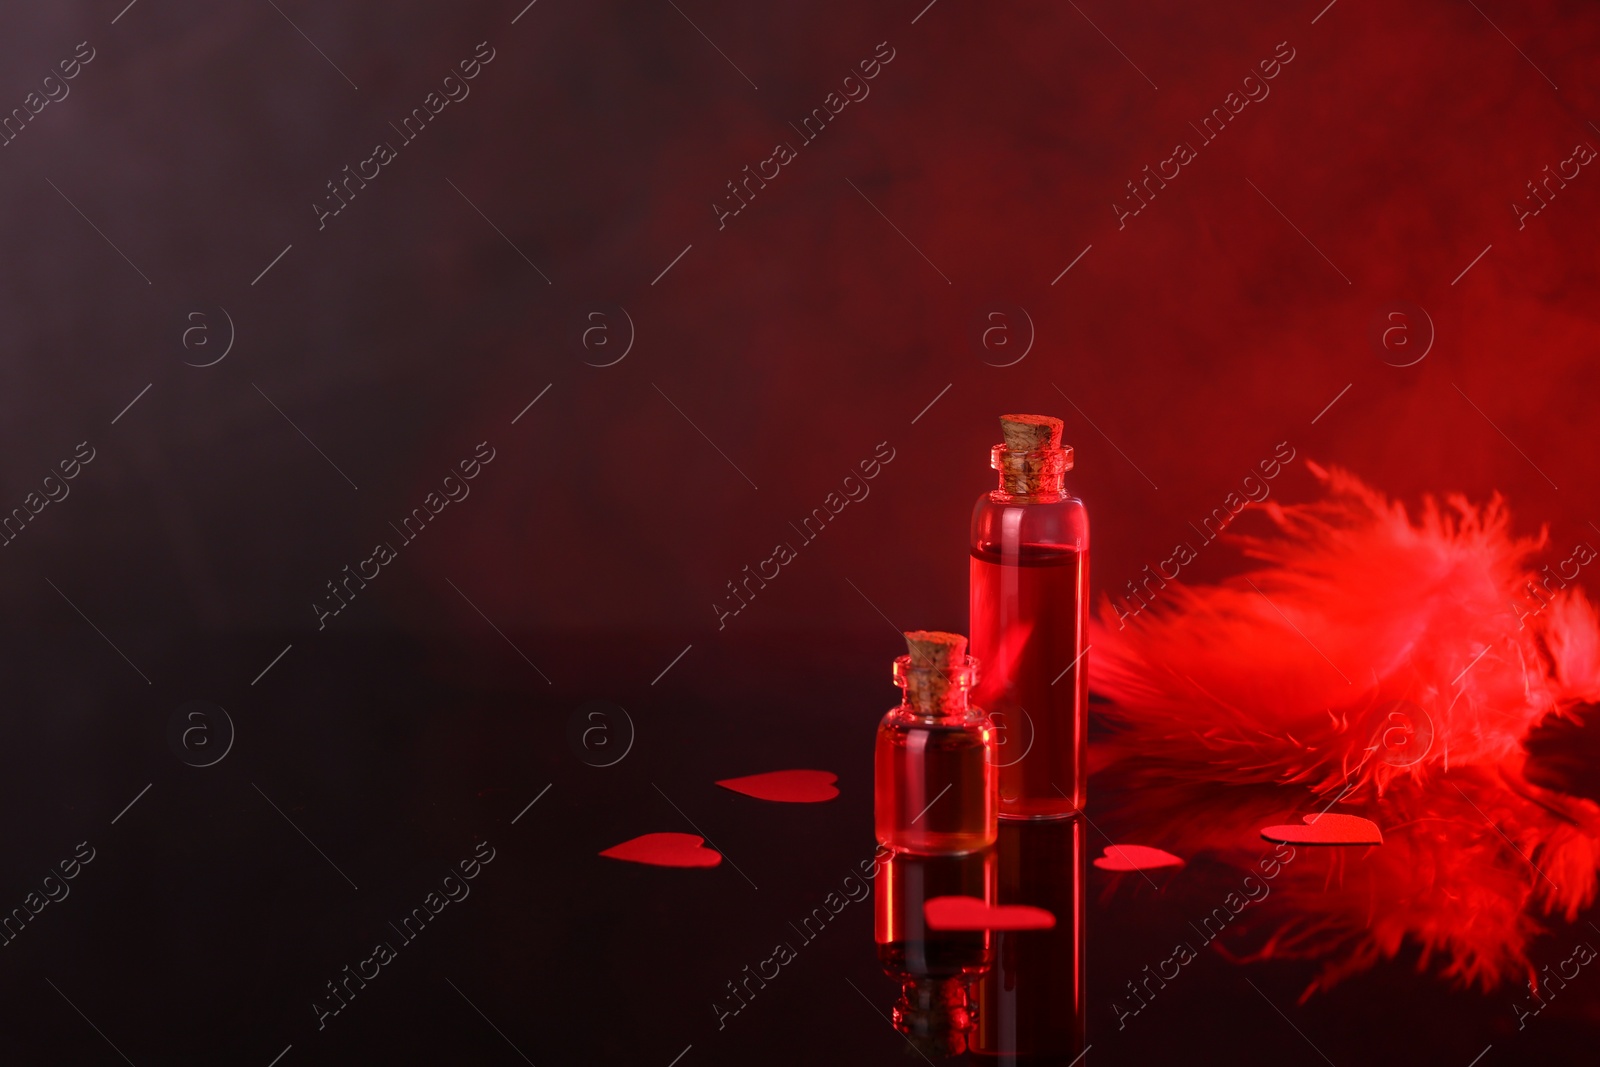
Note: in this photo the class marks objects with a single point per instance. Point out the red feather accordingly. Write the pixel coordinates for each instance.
(1356, 629)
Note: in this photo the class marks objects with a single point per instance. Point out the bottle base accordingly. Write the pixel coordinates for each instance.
(945, 845)
(1039, 813)
(1042, 817)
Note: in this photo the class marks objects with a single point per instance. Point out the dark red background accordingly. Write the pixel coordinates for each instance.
(798, 337)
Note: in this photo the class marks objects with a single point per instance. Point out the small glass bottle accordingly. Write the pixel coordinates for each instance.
(1029, 613)
(935, 788)
(935, 968)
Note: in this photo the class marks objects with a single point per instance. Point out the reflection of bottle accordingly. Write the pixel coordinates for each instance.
(1031, 1004)
(934, 967)
(1029, 606)
(934, 788)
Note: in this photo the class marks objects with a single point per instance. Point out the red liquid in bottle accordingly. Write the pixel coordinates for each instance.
(934, 787)
(1029, 613)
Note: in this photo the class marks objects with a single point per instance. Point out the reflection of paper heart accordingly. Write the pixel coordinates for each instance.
(790, 787)
(1326, 829)
(666, 850)
(1136, 858)
(970, 913)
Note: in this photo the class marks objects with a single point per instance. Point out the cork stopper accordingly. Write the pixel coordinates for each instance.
(928, 681)
(1032, 459)
(1029, 433)
(935, 648)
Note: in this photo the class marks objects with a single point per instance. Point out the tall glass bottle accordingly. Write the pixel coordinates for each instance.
(934, 780)
(935, 968)
(1030, 1003)
(1029, 613)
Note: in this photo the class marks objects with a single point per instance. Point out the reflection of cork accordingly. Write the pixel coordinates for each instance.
(933, 653)
(1028, 433)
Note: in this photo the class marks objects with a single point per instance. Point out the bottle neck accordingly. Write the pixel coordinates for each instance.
(936, 692)
(949, 707)
(1041, 473)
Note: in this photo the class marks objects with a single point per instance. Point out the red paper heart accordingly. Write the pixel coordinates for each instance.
(790, 787)
(1135, 858)
(666, 850)
(1326, 829)
(970, 913)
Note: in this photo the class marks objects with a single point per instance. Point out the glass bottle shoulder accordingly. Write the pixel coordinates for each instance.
(904, 717)
(1001, 521)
